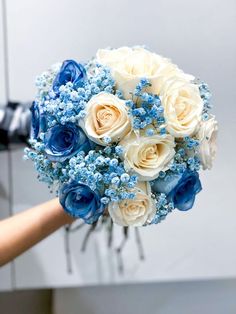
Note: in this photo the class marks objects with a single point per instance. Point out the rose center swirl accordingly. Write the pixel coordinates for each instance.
(134, 208)
(148, 157)
(106, 116)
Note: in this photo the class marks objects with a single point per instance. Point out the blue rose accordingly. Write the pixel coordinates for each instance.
(63, 141)
(79, 201)
(70, 71)
(181, 189)
(38, 120)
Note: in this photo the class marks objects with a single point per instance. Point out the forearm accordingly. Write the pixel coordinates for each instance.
(20, 232)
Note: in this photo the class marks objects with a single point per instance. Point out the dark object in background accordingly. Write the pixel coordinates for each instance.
(15, 120)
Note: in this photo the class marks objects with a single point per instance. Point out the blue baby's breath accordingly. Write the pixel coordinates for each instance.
(146, 109)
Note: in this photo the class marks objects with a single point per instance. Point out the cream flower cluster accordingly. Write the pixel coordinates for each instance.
(146, 156)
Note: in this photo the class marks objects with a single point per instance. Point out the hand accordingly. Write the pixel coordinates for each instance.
(20, 232)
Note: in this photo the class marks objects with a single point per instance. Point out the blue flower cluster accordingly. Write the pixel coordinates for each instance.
(66, 101)
(80, 150)
(175, 191)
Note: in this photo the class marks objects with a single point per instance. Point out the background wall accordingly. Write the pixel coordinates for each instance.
(200, 37)
(5, 272)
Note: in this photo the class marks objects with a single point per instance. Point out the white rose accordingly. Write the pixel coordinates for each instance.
(134, 212)
(207, 136)
(129, 65)
(182, 106)
(146, 156)
(106, 116)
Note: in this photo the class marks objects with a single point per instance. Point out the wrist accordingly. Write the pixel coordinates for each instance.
(62, 215)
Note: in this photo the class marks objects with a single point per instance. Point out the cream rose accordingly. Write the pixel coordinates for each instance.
(182, 106)
(207, 136)
(134, 212)
(107, 116)
(148, 155)
(129, 65)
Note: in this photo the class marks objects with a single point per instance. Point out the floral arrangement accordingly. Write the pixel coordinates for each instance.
(122, 137)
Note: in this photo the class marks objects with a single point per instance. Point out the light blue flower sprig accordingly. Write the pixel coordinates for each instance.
(146, 110)
(163, 208)
(186, 156)
(44, 81)
(47, 171)
(206, 98)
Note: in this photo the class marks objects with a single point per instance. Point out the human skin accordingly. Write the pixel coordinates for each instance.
(21, 231)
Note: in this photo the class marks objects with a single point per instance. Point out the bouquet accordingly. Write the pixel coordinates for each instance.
(122, 137)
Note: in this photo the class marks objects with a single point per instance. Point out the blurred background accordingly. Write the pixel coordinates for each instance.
(190, 259)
